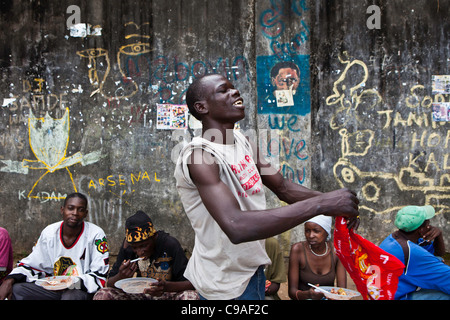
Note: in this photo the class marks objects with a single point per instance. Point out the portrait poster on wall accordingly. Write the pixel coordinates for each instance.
(283, 85)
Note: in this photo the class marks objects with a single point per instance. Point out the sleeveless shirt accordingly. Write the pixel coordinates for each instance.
(219, 269)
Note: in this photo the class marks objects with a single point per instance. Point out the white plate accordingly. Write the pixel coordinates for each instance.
(135, 285)
(350, 293)
(58, 282)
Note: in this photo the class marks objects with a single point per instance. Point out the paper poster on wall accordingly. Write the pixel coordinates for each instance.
(441, 84)
(283, 86)
(441, 111)
(285, 98)
(171, 116)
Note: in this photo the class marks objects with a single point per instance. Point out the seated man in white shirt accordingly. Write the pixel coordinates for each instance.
(71, 247)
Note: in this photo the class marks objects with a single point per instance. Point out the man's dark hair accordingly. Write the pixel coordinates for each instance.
(76, 195)
(195, 93)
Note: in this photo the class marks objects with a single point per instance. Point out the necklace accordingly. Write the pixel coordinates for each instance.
(322, 254)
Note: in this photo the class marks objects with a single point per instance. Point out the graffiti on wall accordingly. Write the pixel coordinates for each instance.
(273, 25)
(132, 60)
(48, 140)
(283, 87)
(163, 77)
(126, 79)
(423, 164)
(33, 97)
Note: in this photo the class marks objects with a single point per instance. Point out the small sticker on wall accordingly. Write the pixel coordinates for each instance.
(441, 111)
(284, 98)
(441, 84)
(82, 30)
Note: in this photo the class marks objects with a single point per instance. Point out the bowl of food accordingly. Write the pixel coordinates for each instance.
(57, 282)
(336, 293)
(135, 285)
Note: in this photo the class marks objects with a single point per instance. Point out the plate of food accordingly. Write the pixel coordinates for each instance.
(135, 285)
(336, 293)
(57, 282)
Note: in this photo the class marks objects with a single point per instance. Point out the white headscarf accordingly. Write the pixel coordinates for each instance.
(323, 221)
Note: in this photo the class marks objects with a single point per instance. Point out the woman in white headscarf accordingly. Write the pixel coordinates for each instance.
(314, 261)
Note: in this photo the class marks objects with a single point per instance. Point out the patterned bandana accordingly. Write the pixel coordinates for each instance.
(139, 227)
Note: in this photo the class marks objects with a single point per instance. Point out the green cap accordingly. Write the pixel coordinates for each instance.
(411, 217)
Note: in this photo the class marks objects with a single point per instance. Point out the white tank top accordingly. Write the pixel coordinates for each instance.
(219, 269)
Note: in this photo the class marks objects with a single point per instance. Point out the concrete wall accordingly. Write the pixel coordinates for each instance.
(79, 106)
(373, 126)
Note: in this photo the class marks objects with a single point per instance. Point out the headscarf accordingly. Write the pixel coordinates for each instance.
(323, 221)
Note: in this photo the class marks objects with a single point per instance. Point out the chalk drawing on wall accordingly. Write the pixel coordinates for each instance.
(283, 86)
(94, 55)
(351, 100)
(349, 93)
(162, 76)
(128, 61)
(48, 139)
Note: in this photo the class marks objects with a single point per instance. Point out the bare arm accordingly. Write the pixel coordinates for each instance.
(341, 275)
(435, 234)
(293, 271)
(162, 286)
(6, 289)
(126, 270)
(288, 191)
(240, 226)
